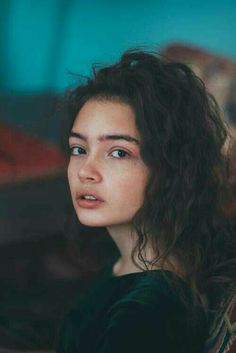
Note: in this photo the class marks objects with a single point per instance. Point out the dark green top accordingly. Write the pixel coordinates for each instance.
(133, 313)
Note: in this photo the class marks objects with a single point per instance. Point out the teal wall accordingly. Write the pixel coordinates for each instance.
(41, 41)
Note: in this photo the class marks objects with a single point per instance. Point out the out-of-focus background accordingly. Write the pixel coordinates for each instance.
(43, 44)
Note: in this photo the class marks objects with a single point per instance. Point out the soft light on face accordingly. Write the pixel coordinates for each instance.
(106, 174)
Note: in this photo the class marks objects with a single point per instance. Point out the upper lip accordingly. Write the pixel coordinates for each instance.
(88, 193)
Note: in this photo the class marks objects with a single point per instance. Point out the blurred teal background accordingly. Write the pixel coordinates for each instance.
(43, 41)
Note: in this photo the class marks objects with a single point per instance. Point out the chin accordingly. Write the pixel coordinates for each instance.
(92, 222)
(93, 219)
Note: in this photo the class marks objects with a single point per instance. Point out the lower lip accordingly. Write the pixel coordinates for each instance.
(88, 203)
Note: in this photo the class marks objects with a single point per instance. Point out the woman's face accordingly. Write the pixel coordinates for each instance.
(106, 174)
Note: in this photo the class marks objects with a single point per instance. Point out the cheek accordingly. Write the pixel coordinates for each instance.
(130, 187)
(71, 175)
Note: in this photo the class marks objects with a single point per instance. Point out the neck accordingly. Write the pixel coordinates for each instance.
(125, 238)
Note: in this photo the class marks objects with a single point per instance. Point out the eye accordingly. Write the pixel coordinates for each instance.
(76, 150)
(119, 153)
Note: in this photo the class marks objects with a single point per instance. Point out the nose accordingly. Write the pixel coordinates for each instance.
(89, 171)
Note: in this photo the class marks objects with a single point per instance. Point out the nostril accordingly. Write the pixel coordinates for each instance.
(88, 173)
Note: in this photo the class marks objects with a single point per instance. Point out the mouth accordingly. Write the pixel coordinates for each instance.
(89, 196)
(88, 200)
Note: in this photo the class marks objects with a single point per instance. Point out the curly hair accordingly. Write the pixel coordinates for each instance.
(183, 136)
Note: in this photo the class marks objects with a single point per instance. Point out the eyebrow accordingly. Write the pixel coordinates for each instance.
(107, 137)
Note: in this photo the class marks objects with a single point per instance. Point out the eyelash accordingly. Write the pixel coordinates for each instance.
(73, 148)
(78, 148)
(123, 151)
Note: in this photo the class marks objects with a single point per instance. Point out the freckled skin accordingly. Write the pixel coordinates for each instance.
(119, 178)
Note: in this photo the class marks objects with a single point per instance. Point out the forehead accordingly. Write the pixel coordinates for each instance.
(105, 116)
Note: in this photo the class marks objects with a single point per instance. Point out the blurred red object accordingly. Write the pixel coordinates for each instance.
(23, 157)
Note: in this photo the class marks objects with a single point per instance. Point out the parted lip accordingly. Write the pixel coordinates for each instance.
(80, 194)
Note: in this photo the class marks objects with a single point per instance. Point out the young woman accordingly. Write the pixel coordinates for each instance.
(147, 162)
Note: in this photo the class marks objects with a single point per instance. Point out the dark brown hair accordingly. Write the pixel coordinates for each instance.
(182, 144)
